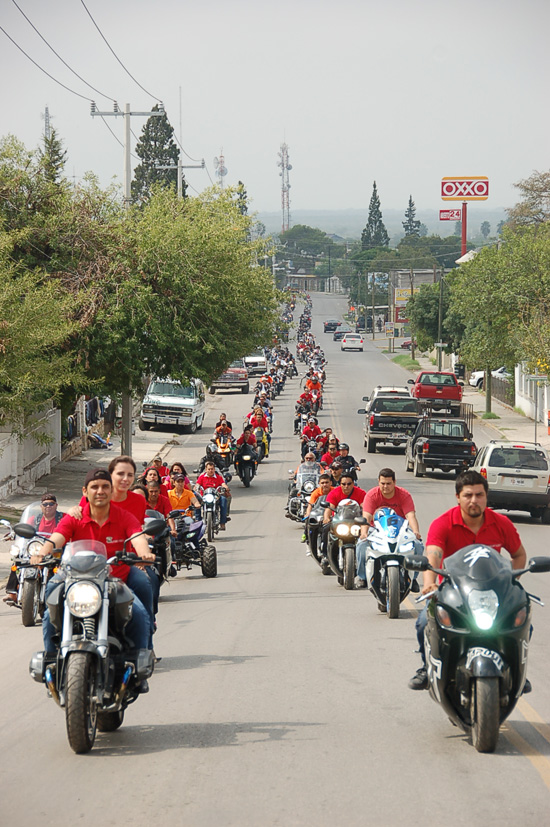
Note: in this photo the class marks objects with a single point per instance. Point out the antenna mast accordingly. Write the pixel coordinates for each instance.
(221, 169)
(283, 162)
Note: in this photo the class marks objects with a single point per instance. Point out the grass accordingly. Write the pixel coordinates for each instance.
(490, 415)
(519, 411)
(406, 361)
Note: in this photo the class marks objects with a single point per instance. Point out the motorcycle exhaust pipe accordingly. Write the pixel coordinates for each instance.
(124, 685)
(51, 686)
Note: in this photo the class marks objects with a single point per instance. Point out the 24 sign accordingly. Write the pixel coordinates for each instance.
(475, 188)
(450, 215)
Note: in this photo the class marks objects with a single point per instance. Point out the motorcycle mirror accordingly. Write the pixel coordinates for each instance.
(415, 563)
(25, 530)
(361, 461)
(361, 411)
(361, 521)
(154, 527)
(410, 381)
(365, 398)
(5, 523)
(538, 565)
(228, 477)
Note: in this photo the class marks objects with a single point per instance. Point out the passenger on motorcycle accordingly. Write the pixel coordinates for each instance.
(110, 525)
(223, 429)
(324, 438)
(467, 523)
(223, 418)
(348, 462)
(258, 419)
(247, 437)
(336, 470)
(385, 494)
(332, 452)
(211, 479)
(310, 432)
(182, 498)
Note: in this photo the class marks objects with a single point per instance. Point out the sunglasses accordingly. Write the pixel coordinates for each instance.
(346, 484)
(48, 504)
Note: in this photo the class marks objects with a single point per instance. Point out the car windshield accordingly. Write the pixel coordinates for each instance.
(456, 430)
(257, 352)
(518, 458)
(437, 379)
(352, 336)
(171, 389)
(238, 363)
(384, 404)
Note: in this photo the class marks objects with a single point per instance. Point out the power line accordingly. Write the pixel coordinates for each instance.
(58, 55)
(116, 56)
(43, 70)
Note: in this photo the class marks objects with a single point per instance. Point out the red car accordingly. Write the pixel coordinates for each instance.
(439, 389)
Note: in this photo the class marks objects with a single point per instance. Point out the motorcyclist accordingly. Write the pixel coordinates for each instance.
(347, 490)
(325, 485)
(469, 522)
(332, 452)
(211, 455)
(385, 494)
(211, 479)
(348, 462)
(310, 432)
(303, 405)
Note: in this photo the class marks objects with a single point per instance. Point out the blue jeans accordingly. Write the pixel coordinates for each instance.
(420, 625)
(223, 509)
(142, 587)
(138, 627)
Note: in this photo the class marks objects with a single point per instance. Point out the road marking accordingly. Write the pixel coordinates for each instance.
(539, 761)
(533, 718)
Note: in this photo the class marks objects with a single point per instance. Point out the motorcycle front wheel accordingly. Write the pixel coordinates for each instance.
(80, 707)
(392, 591)
(247, 476)
(485, 712)
(209, 562)
(210, 526)
(30, 601)
(349, 568)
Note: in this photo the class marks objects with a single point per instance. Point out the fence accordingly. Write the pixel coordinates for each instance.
(504, 391)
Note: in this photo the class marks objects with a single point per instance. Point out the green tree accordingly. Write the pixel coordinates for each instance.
(458, 228)
(423, 230)
(534, 208)
(53, 157)
(411, 225)
(242, 198)
(485, 229)
(375, 233)
(156, 147)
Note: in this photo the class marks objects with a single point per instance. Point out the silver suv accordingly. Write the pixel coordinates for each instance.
(517, 474)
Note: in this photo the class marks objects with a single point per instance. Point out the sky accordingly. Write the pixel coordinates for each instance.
(395, 91)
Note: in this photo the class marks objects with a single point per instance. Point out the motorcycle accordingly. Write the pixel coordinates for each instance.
(313, 534)
(477, 638)
(307, 480)
(191, 547)
(211, 510)
(388, 543)
(262, 442)
(246, 463)
(225, 447)
(96, 672)
(344, 531)
(31, 580)
(302, 414)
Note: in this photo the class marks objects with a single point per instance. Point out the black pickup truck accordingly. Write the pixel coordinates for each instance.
(390, 419)
(444, 444)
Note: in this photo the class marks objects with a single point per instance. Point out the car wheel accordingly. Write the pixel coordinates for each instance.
(545, 518)
(212, 390)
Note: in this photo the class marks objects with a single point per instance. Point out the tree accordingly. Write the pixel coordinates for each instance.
(242, 199)
(485, 229)
(458, 228)
(423, 230)
(156, 148)
(411, 225)
(375, 233)
(535, 206)
(53, 157)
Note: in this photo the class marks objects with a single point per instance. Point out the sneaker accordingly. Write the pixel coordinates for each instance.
(415, 587)
(222, 528)
(420, 680)
(228, 519)
(527, 687)
(303, 538)
(359, 583)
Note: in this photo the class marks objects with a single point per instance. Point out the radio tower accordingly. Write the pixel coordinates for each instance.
(285, 186)
(221, 169)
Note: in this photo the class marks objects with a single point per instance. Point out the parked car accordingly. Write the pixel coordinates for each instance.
(340, 332)
(351, 341)
(407, 344)
(256, 363)
(439, 390)
(330, 325)
(169, 402)
(389, 418)
(517, 474)
(477, 377)
(235, 377)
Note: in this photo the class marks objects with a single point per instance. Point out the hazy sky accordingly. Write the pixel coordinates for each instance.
(398, 91)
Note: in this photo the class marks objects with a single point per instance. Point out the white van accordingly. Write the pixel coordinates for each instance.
(256, 363)
(168, 402)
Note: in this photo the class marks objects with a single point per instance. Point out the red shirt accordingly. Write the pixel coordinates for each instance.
(134, 504)
(401, 502)
(329, 458)
(210, 482)
(163, 505)
(250, 441)
(311, 431)
(449, 532)
(337, 495)
(263, 423)
(118, 527)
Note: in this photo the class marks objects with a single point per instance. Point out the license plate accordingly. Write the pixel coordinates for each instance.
(399, 436)
(520, 482)
(166, 418)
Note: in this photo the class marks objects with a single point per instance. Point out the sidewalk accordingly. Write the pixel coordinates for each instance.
(510, 425)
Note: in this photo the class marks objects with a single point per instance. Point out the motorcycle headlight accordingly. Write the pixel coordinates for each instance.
(342, 530)
(484, 607)
(83, 599)
(34, 547)
(308, 487)
(247, 457)
(355, 530)
(14, 550)
(208, 498)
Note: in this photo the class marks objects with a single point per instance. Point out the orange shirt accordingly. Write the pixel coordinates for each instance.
(314, 496)
(183, 501)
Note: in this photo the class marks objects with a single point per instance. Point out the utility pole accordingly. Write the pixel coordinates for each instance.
(413, 349)
(126, 440)
(180, 167)
(372, 302)
(439, 319)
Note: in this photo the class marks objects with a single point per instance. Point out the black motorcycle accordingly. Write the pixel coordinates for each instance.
(96, 672)
(344, 531)
(477, 638)
(313, 532)
(246, 463)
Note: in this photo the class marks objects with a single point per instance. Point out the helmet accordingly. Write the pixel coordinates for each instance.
(344, 445)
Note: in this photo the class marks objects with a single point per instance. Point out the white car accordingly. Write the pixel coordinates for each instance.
(477, 376)
(352, 341)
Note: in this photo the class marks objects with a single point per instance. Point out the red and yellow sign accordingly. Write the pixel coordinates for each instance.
(474, 188)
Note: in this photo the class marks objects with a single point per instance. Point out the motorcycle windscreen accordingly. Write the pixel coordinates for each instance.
(389, 522)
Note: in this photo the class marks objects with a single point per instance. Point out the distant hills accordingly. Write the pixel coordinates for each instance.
(350, 223)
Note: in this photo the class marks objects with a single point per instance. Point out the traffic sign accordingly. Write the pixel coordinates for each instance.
(450, 215)
(474, 188)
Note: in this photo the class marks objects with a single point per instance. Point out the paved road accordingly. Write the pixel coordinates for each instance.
(281, 699)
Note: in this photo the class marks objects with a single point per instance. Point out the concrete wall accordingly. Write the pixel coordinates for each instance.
(532, 395)
(23, 462)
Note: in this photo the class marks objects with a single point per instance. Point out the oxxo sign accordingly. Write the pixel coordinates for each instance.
(474, 188)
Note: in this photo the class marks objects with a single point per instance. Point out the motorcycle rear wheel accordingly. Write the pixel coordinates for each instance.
(349, 568)
(109, 721)
(80, 708)
(209, 562)
(30, 599)
(210, 526)
(392, 591)
(485, 711)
